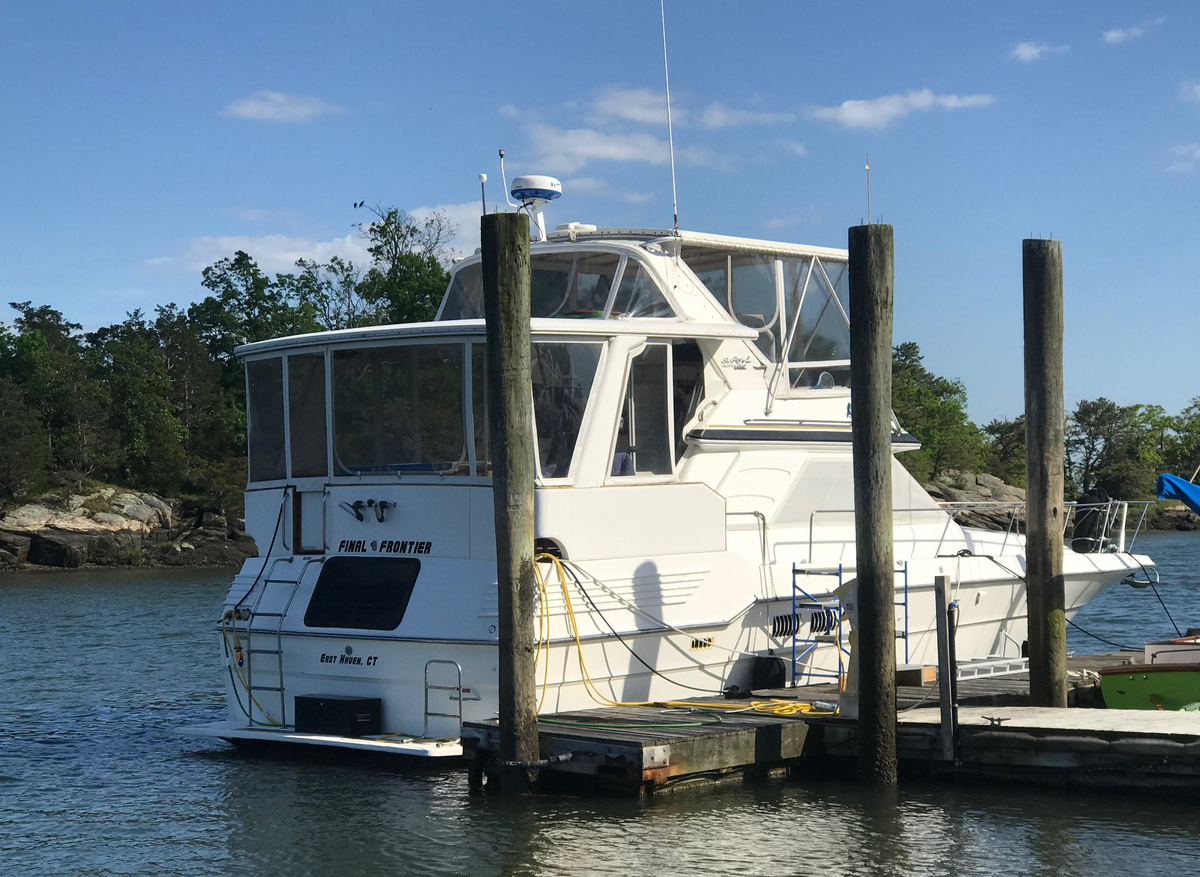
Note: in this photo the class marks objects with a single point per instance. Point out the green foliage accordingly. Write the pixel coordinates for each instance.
(1121, 449)
(407, 276)
(160, 404)
(934, 410)
(1004, 455)
(24, 451)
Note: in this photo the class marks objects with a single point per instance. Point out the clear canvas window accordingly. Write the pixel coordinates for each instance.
(644, 433)
(399, 409)
(306, 414)
(264, 407)
(638, 295)
(744, 285)
(562, 382)
(819, 331)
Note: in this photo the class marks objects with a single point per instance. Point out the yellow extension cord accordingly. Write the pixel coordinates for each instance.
(774, 706)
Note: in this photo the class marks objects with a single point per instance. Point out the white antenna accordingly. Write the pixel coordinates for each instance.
(504, 180)
(868, 188)
(670, 133)
(483, 192)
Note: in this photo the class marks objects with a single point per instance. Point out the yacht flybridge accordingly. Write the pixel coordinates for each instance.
(694, 501)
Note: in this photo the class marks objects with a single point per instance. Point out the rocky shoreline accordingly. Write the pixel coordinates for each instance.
(110, 526)
(114, 527)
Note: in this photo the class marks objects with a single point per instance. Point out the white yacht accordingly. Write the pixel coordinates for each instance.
(694, 488)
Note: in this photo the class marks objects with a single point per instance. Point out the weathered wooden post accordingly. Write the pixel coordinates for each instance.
(946, 668)
(871, 299)
(1044, 442)
(505, 244)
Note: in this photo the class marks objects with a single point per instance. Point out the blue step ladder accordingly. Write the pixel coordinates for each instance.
(826, 614)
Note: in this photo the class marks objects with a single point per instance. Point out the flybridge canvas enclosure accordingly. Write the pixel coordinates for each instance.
(800, 306)
(416, 407)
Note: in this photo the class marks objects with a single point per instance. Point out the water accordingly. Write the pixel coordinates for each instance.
(98, 669)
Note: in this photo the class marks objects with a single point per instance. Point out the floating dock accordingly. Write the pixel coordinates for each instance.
(642, 750)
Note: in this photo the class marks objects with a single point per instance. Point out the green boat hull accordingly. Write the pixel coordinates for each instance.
(1155, 687)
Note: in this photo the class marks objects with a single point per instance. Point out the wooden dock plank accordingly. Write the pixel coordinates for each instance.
(641, 749)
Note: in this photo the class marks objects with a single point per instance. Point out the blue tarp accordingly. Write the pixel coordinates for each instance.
(1174, 487)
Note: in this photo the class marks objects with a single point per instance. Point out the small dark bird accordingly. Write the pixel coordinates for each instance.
(359, 204)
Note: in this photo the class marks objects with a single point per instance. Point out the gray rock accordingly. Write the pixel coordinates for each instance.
(132, 506)
(28, 517)
(118, 548)
(57, 548)
(16, 544)
(109, 518)
(8, 559)
(166, 517)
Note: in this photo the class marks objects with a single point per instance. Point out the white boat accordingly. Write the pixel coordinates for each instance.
(693, 474)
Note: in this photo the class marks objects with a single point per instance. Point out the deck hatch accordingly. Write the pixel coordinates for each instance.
(362, 593)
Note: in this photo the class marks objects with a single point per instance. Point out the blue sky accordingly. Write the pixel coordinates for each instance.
(141, 141)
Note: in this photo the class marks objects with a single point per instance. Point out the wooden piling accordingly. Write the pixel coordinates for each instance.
(1044, 441)
(871, 299)
(506, 278)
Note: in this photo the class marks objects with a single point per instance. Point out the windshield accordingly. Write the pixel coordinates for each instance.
(578, 285)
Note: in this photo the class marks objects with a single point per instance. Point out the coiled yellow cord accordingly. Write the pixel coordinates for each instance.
(774, 706)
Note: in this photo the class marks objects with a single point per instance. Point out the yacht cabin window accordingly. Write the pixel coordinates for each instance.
(580, 285)
(264, 409)
(664, 391)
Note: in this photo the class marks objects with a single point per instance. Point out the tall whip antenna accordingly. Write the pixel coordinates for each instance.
(868, 188)
(670, 133)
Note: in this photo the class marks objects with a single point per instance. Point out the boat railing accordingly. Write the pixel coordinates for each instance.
(1106, 524)
(1110, 530)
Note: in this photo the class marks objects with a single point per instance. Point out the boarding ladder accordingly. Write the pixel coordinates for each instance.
(826, 614)
(272, 598)
(456, 688)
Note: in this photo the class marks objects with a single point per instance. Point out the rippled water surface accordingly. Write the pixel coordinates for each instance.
(98, 670)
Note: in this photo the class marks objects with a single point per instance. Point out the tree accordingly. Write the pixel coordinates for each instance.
(408, 276)
(334, 291)
(1004, 455)
(50, 364)
(246, 305)
(24, 452)
(933, 409)
(1182, 451)
(131, 363)
(1117, 448)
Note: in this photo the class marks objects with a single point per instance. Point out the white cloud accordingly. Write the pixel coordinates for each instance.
(1030, 52)
(879, 112)
(1191, 91)
(1184, 158)
(274, 253)
(634, 105)
(795, 147)
(1124, 34)
(559, 150)
(275, 106)
(717, 115)
(603, 189)
(508, 111)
